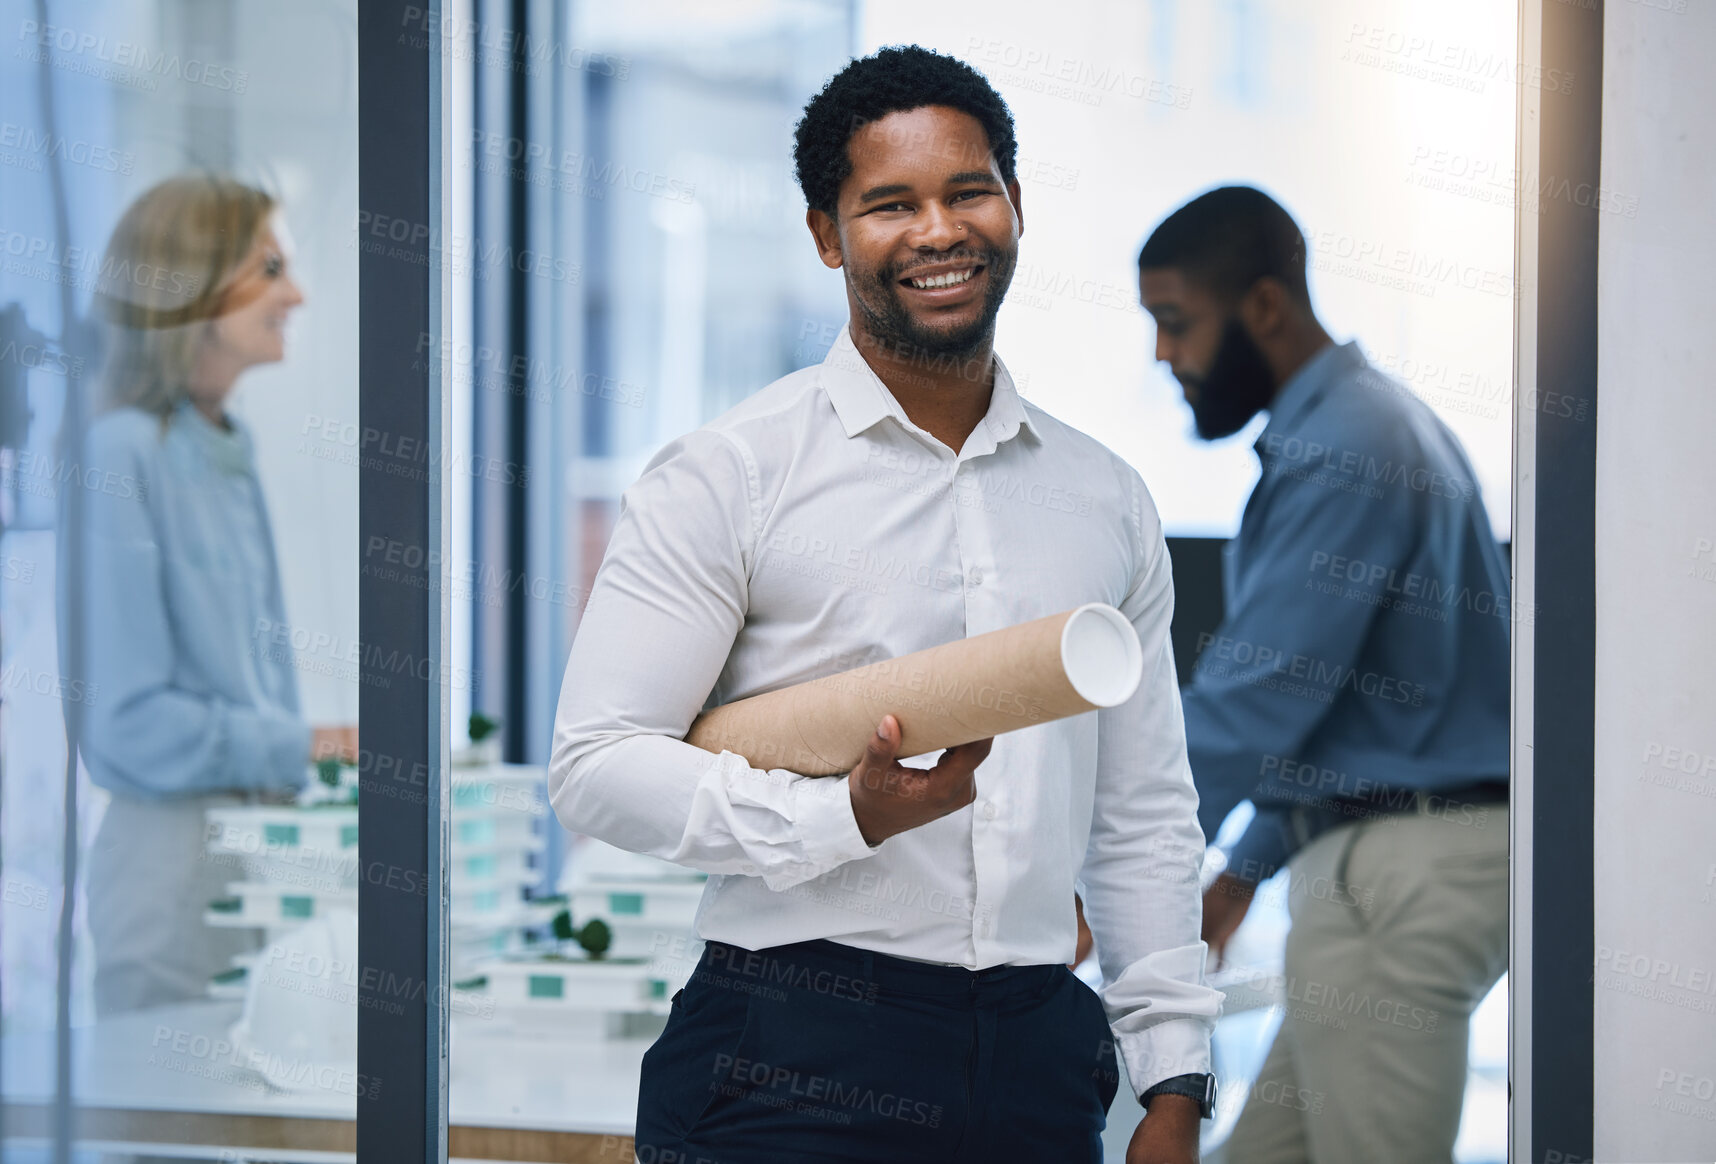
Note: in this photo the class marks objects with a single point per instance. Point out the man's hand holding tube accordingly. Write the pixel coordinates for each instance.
(889, 798)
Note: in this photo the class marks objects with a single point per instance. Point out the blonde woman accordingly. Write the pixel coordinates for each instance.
(189, 707)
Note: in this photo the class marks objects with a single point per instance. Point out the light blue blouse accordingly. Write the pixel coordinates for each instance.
(180, 589)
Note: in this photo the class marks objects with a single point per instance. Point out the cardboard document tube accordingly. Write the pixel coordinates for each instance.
(1020, 676)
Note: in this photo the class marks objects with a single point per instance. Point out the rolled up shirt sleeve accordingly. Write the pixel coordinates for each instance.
(666, 607)
(1140, 874)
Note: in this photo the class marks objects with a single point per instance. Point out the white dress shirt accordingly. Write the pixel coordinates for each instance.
(813, 529)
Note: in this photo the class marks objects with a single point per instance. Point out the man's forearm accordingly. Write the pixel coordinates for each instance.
(660, 796)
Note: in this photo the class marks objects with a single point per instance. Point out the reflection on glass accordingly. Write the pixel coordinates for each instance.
(659, 175)
(182, 583)
(178, 568)
(638, 262)
(667, 261)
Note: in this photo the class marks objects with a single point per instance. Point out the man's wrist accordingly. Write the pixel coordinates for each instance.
(1197, 1092)
(1182, 1106)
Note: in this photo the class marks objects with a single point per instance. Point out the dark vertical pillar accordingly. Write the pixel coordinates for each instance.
(1564, 659)
(519, 286)
(402, 982)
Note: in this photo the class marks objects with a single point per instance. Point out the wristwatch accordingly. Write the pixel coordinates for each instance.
(1199, 1087)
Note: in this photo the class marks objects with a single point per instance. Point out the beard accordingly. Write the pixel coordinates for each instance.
(877, 294)
(1237, 387)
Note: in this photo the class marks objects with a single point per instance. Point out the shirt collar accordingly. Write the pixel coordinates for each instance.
(861, 400)
(1305, 386)
(230, 450)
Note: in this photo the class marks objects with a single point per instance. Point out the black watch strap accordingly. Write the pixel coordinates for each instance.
(1199, 1087)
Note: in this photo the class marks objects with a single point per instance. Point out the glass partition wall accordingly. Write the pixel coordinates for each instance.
(640, 155)
(178, 511)
(629, 164)
(275, 457)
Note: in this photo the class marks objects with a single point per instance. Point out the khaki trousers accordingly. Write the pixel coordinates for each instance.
(1399, 931)
(150, 880)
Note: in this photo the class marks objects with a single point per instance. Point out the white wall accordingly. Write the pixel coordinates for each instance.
(1656, 591)
(1385, 126)
(292, 115)
(296, 129)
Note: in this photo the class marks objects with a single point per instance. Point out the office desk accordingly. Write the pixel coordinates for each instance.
(513, 1096)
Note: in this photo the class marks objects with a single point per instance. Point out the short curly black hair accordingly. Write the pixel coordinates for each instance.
(1229, 238)
(896, 79)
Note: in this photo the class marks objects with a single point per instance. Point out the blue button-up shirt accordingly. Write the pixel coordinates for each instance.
(188, 693)
(1364, 653)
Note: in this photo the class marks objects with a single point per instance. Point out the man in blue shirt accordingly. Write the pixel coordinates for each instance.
(1356, 692)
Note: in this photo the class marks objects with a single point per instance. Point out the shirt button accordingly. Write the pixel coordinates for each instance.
(749, 868)
(976, 576)
(988, 810)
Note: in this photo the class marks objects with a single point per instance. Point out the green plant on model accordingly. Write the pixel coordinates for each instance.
(595, 937)
(481, 727)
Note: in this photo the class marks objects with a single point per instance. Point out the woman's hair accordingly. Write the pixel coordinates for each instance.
(167, 272)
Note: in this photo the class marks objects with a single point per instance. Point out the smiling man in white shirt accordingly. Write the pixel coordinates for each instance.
(884, 974)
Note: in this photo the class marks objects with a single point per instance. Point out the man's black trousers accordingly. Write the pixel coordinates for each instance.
(816, 1052)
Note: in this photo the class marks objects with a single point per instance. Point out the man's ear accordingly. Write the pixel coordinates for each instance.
(1018, 207)
(827, 237)
(1264, 308)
